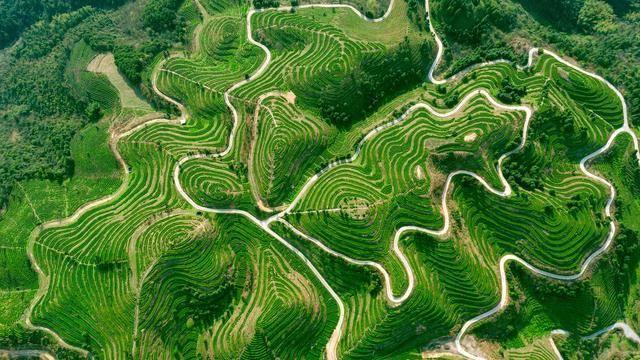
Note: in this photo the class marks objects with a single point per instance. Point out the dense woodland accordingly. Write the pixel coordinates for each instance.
(39, 113)
(261, 4)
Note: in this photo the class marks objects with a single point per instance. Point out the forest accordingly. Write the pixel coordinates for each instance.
(39, 111)
(17, 15)
(375, 79)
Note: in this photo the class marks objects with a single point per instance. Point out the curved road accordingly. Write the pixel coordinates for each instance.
(331, 347)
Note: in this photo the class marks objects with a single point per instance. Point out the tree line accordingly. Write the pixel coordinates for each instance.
(18, 15)
(39, 111)
(374, 80)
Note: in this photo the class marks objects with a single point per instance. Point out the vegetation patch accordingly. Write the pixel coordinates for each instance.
(316, 196)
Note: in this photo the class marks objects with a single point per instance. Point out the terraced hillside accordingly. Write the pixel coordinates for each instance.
(322, 195)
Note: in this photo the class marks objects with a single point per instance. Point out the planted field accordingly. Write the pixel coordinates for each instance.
(286, 143)
(104, 64)
(91, 85)
(357, 206)
(317, 198)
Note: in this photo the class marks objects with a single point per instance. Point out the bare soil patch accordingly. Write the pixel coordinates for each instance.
(105, 64)
(470, 137)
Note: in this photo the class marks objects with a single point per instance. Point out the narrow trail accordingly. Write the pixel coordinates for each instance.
(395, 301)
(331, 347)
(203, 11)
(504, 193)
(28, 200)
(628, 332)
(625, 128)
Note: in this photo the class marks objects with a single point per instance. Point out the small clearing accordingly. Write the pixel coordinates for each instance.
(105, 64)
(563, 74)
(290, 97)
(357, 208)
(470, 137)
(419, 172)
(14, 137)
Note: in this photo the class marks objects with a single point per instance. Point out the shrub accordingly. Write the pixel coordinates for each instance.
(596, 16)
(261, 4)
(510, 93)
(376, 78)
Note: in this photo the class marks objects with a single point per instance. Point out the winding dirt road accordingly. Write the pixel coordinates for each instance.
(331, 347)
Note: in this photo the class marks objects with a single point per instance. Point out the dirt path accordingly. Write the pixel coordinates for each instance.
(608, 241)
(203, 11)
(504, 193)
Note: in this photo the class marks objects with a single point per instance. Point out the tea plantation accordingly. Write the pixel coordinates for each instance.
(310, 187)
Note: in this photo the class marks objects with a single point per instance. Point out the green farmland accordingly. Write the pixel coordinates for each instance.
(314, 182)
